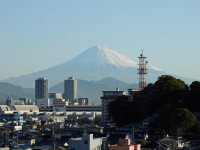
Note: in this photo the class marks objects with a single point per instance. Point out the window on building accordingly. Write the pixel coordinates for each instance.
(72, 148)
(85, 142)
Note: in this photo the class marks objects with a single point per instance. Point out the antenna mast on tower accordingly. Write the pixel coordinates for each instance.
(142, 71)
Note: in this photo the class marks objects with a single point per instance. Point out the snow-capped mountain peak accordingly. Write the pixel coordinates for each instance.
(104, 55)
(94, 63)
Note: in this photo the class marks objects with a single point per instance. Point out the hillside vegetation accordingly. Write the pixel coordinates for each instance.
(170, 97)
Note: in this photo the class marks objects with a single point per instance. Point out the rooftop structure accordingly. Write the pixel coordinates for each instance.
(4, 108)
(18, 108)
(26, 108)
(75, 109)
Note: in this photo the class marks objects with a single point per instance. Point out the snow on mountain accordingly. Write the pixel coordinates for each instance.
(154, 67)
(108, 56)
(102, 55)
(105, 55)
(95, 63)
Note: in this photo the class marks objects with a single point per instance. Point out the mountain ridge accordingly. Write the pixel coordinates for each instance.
(14, 91)
(94, 63)
(93, 89)
(86, 89)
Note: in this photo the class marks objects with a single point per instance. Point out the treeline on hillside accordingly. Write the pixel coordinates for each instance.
(170, 97)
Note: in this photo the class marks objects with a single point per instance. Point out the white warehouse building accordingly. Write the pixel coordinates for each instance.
(87, 142)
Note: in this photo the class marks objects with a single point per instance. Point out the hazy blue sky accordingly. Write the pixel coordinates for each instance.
(38, 34)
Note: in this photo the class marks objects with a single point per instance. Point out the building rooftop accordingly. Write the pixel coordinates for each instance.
(5, 108)
(26, 107)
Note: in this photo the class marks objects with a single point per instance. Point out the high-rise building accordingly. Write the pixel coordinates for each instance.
(41, 88)
(41, 92)
(70, 89)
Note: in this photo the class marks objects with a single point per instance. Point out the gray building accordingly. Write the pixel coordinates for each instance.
(41, 92)
(84, 101)
(41, 88)
(108, 97)
(53, 96)
(70, 89)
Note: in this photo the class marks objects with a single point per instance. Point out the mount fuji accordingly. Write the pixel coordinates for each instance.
(95, 63)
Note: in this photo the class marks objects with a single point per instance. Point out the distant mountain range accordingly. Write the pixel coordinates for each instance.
(14, 91)
(93, 89)
(90, 89)
(95, 64)
(97, 69)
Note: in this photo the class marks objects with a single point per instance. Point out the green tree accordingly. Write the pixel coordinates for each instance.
(195, 87)
(167, 90)
(167, 82)
(181, 119)
(119, 111)
(194, 101)
(165, 97)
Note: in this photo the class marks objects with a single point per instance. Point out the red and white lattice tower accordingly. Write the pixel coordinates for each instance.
(142, 71)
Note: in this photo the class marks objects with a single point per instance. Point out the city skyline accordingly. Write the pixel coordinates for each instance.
(37, 35)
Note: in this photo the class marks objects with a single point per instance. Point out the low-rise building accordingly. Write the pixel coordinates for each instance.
(17, 128)
(25, 108)
(124, 144)
(5, 109)
(53, 96)
(26, 101)
(5, 132)
(87, 142)
(173, 143)
(59, 105)
(10, 109)
(43, 102)
(14, 118)
(84, 101)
